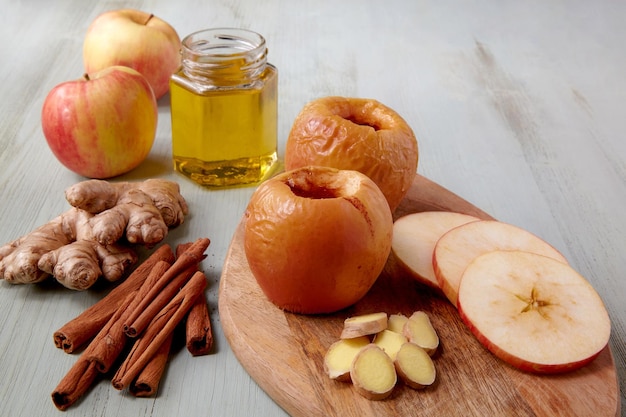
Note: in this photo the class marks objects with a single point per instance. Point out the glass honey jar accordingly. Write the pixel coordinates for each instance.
(224, 106)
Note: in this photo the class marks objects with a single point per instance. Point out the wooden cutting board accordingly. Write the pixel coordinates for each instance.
(283, 352)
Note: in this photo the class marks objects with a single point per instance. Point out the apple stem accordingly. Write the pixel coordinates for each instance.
(148, 19)
(86, 76)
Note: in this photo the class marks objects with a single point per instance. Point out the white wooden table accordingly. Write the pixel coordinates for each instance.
(519, 107)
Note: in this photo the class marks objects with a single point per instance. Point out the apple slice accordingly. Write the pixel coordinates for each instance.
(533, 312)
(414, 239)
(459, 246)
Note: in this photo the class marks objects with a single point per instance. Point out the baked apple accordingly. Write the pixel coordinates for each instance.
(356, 134)
(316, 238)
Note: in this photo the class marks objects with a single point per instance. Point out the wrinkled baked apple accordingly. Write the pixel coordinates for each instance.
(356, 134)
(316, 238)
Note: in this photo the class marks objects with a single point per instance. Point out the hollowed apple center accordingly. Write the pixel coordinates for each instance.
(328, 185)
(357, 119)
(311, 190)
(319, 184)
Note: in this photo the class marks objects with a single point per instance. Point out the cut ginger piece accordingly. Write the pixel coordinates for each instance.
(419, 330)
(390, 342)
(373, 373)
(364, 325)
(414, 366)
(395, 323)
(414, 239)
(340, 355)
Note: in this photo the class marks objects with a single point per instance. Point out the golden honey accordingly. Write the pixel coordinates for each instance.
(224, 109)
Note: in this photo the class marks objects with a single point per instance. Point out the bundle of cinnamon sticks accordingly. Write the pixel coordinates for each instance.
(166, 290)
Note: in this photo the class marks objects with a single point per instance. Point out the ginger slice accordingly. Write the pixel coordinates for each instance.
(414, 366)
(419, 330)
(390, 342)
(340, 355)
(395, 323)
(373, 373)
(363, 325)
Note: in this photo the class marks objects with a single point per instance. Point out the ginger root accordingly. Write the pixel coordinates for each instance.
(87, 241)
(414, 366)
(396, 322)
(340, 355)
(373, 373)
(142, 211)
(380, 349)
(419, 330)
(390, 342)
(364, 325)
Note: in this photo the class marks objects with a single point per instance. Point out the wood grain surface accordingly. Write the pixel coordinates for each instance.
(284, 352)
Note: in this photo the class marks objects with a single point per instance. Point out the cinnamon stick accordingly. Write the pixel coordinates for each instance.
(161, 299)
(190, 257)
(106, 347)
(182, 247)
(75, 383)
(147, 382)
(199, 334)
(76, 332)
(159, 329)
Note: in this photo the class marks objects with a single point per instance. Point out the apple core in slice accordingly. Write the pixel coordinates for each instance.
(533, 312)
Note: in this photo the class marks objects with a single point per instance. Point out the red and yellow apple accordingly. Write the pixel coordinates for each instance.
(135, 39)
(101, 125)
(356, 134)
(533, 312)
(316, 238)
